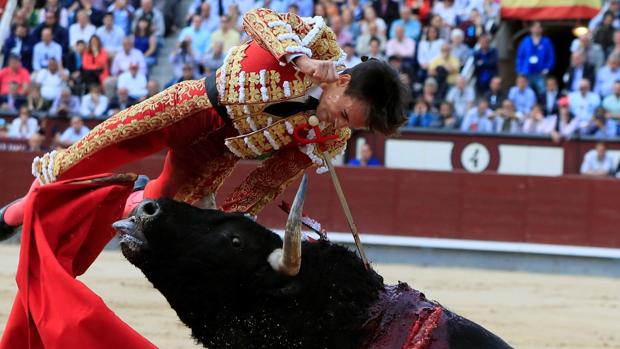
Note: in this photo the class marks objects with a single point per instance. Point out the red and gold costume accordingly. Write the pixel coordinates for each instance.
(203, 147)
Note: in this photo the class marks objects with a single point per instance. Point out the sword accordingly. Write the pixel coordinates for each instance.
(345, 208)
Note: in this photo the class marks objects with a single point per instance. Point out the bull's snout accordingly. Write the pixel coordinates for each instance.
(147, 209)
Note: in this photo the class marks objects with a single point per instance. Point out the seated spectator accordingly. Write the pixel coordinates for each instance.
(214, 58)
(12, 100)
(343, 37)
(429, 47)
(210, 19)
(95, 13)
(127, 56)
(145, 41)
(366, 158)
(447, 10)
(472, 28)
(375, 50)
(593, 52)
(611, 105)
(111, 35)
(508, 117)
(120, 102)
(24, 126)
(76, 131)
(601, 127)
(404, 71)
(95, 62)
(183, 55)
(446, 118)
(45, 50)
(363, 41)
(535, 58)
(445, 66)
(94, 104)
(196, 36)
(583, 103)
(370, 18)
(59, 33)
(522, 96)
(607, 76)
(421, 115)
(597, 162)
(549, 99)
(14, 73)
(430, 93)
(188, 73)
(18, 44)
(35, 101)
(35, 143)
(616, 43)
(65, 105)
(485, 60)
(537, 124)
(567, 124)
(152, 88)
(122, 12)
(52, 80)
(227, 34)
(459, 49)
(495, 96)
(352, 59)
(82, 29)
(412, 26)
(578, 69)
(461, 96)
(153, 15)
(604, 34)
(74, 60)
(401, 46)
(386, 10)
(480, 119)
(134, 82)
(350, 25)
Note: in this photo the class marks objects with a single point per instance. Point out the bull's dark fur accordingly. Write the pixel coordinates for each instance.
(212, 268)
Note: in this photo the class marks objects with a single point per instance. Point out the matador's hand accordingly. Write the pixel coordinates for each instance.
(320, 71)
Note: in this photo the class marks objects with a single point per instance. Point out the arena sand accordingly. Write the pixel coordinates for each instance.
(528, 310)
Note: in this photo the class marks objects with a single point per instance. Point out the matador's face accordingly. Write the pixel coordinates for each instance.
(340, 109)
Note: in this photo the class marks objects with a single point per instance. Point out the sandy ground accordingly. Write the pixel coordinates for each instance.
(527, 310)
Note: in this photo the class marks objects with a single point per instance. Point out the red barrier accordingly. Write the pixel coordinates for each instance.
(567, 210)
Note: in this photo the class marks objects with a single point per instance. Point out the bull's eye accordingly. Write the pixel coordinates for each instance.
(236, 242)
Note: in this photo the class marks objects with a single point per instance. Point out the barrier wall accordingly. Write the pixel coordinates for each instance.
(568, 210)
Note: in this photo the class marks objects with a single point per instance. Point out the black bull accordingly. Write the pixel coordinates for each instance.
(237, 284)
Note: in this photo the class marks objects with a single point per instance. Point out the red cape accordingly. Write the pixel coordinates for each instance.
(66, 225)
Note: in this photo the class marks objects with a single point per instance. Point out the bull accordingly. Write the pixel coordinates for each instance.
(236, 284)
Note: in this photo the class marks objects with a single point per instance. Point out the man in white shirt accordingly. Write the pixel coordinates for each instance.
(52, 80)
(199, 38)
(74, 133)
(81, 30)
(126, 57)
(597, 162)
(400, 45)
(45, 50)
(111, 35)
(582, 103)
(134, 82)
(94, 104)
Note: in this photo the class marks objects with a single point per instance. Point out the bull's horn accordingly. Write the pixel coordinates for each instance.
(287, 260)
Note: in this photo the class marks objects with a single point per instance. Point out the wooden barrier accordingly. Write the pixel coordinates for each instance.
(569, 210)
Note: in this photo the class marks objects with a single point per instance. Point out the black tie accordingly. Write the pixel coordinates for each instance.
(286, 109)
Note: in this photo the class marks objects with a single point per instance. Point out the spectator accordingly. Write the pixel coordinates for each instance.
(445, 65)
(429, 47)
(582, 103)
(58, 34)
(198, 38)
(537, 124)
(403, 70)
(152, 15)
(82, 30)
(52, 6)
(522, 96)
(443, 29)
(134, 82)
(612, 6)
(386, 10)
(35, 143)
(94, 104)
(45, 50)
(120, 102)
(352, 59)
(24, 126)
(611, 104)
(578, 69)
(446, 118)
(350, 25)
(616, 43)
(52, 80)
(16, 74)
(495, 96)
(210, 20)
(214, 58)
(375, 49)
(549, 99)
(430, 93)
(12, 100)
(479, 119)
(461, 96)
(597, 162)
(421, 115)
(401, 46)
(447, 10)
(508, 117)
(370, 17)
(122, 13)
(535, 57)
(152, 88)
(187, 74)
(18, 44)
(566, 124)
(356, 8)
(127, 56)
(472, 28)
(95, 15)
(76, 131)
(65, 105)
(459, 49)
(601, 127)
(365, 159)
(35, 101)
(145, 41)
(183, 55)
(74, 64)
(95, 62)
(593, 52)
(111, 35)
(608, 75)
(363, 42)
(412, 25)
(604, 34)
(342, 36)
(485, 60)
(226, 34)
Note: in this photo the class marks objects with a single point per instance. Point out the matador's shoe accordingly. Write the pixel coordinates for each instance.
(6, 231)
